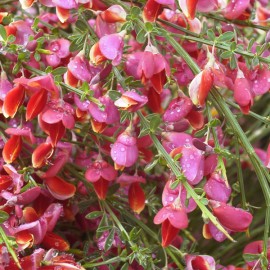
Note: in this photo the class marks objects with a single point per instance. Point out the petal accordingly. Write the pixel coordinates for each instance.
(59, 188)
(36, 104)
(136, 198)
(28, 196)
(13, 101)
(80, 69)
(235, 9)
(27, 3)
(52, 214)
(52, 240)
(41, 155)
(235, 219)
(92, 174)
(62, 14)
(101, 188)
(168, 233)
(151, 11)
(5, 182)
(12, 149)
(188, 7)
(113, 14)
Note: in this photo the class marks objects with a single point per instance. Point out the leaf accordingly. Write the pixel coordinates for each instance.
(250, 44)
(59, 71)
(233, 62)
(150, 166)
(211, 34)
(149, 27)
(175, 184)
(125, 266)
(3, 32)
(135, 11)
(94, 214)
(251, 257)
(109, 240)
(214, 123)
(200, 133)
(141, 36)
(3, 216)
(226, 55)
(103, 229)
(227, 36)
(114, 95)
(155, 122)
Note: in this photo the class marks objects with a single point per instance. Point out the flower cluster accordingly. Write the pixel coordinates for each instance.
(126, 135)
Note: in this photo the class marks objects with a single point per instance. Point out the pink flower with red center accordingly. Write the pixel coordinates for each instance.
(100, 173)
(124, 151)
(109, 47)
(153, 68)
(200, 262)
(131, 101)
(172, 219)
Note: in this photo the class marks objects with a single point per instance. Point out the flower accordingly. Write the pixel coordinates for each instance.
(124, 151)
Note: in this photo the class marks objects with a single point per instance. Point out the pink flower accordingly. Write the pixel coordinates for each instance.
(235, 9)
(217, 189)
(232, 218)
(124, 151)
(200, 262)
(153, 68)
(59, 49)
(131, 101)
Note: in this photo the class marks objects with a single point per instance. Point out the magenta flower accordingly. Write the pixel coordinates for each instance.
(131, 101)
(124, 151)
(217, 188)
(200, 262)
(235, 9)
(232, 218)
(59, 50)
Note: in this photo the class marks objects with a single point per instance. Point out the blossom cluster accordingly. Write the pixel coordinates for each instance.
(121, 145)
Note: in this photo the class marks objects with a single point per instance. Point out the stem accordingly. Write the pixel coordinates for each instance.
(240, 176)
(171, 254)
(196, 37)
(239, 22)
(112, 260)
(9, 247)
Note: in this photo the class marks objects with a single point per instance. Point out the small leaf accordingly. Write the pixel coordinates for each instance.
(149, 27)
(3, 216)
(144, 132)
(155, 122)
(204, 201)
(251, 257)
(141, 36)
(175, 184)
(109, 240)
(177, 156)
(150, 166)
(214, 123)
(226, 55)
(103, 229)
(227, 36)
(211, 34)
(233, 62)
(94, 214)
(125, 266)
(200, 133)
(59, 71)
(250, 44)
(3, 32)
(135, 11)
(114, 95)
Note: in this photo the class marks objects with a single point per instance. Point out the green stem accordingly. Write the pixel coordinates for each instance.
(176, 261)
(239, 22)
(9, 247)
(112, 260)
(240, 176)
(195, 37)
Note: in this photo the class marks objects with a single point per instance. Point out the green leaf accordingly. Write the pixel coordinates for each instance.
(135, 11)
(144, 132)
(155, 122)
(141, 36)
(226, 55)
(3, 32)
(200, 133)
(204, 201)
(211, 34)
(150, 166)
(124, 116)
(233, 46)
(250, 44)
(3, 216)
(94, 215)
(214, 123)
(109, 240)
(81, 25)
(125, 266)
(251, 257)
(233, 62)
(11, 38)
(177, 156)
(227, 36)
(114, 95)
(149, 27)
(103, 229)
(175, 184)
(59, 71)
